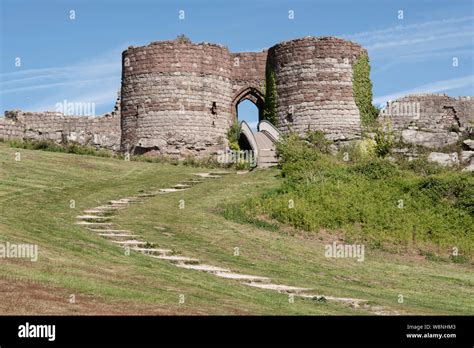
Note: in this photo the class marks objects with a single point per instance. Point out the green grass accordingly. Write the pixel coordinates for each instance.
(35, 197)
(372, 201)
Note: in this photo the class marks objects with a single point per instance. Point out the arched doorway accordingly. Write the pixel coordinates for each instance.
(251, 94)
(248, 106)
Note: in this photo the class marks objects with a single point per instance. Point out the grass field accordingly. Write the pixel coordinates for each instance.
(35, 201)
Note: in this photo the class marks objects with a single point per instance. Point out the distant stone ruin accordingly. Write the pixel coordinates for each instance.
(430, 120)
(101, 132)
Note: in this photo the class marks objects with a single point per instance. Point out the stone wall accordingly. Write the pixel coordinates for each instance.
(314, 86)
(429, 120)
(176, 98)
(101, 132)
(433, 112)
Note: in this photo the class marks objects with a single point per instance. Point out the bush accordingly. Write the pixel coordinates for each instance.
(233, 135)
(318, 140)
(376, 169)
(372, 200)
(454, 128)
(420, 166)
(453, 189)
(383, 140)
(183, 39)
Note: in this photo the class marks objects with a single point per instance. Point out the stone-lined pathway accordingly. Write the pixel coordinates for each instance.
(98, 220)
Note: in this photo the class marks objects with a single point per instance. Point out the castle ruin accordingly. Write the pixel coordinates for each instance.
(179, 99)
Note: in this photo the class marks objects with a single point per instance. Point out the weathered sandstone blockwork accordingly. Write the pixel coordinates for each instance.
(102, 132)
(434, 112)
(314, 86)
(180, 98)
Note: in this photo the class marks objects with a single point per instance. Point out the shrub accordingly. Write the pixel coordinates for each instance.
(454, 128)
(183, 39)
(318, 140)
(233, 135)
(420, 166)
(372, 201)
(376, 169)
(383, 140)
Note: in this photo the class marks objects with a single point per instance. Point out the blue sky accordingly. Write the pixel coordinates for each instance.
(79, 60)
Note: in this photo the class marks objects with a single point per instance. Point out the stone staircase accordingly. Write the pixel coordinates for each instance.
(266, 151)
(99, 220)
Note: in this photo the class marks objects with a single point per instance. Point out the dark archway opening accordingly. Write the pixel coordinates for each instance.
(248, 107)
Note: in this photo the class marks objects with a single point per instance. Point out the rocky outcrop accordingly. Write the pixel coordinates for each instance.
(427, 139)
(444, 159)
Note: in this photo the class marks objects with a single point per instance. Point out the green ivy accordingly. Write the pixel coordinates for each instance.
(271, 97)
(362, 87)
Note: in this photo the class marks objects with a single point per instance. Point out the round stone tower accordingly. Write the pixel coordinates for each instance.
(175, 98)
(314, 86)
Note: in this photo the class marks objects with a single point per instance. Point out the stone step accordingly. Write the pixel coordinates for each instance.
(191, 182)
(220, 173)
(168, 190)
(105, 208)
(176, 258)
(105, 230)
(92, 217)
(267, 153)
(267, 165)
(268, 160)
(132, 200)
(117, 235)
(247, 277)
(277, 287)
(152, 251)
(97, 211)
(118, 202)
(181, 186)
(207, 175)
(147, 194)
(354, 301)
(118, 206)
(129, 242)
(204, 268)
(88, 223)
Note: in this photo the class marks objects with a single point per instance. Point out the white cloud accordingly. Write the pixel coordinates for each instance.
(95, 80)
(426, 38)
(433, 87)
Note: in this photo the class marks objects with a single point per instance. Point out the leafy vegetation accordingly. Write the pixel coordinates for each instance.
(51, 146)
(35, 195)
(362, 87)
(384, 139)
(371, 200)
(271, 97)
(233, 136)
(183, 39)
